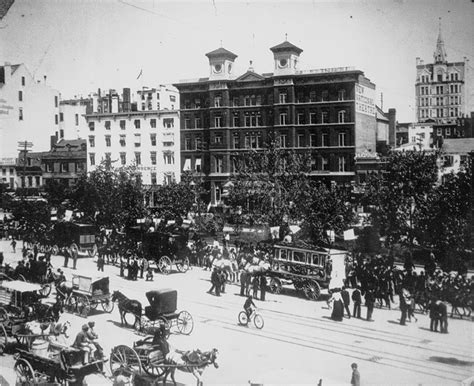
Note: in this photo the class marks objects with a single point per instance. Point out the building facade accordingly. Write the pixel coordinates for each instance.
(139, 129)
(72, 121)
(441, 88)
(29, 110)
(329, 113)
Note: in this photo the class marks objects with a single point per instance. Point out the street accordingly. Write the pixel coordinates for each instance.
(299, 343)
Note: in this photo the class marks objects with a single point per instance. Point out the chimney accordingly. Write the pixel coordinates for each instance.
(115, 103)
(392, 122)
(7, 72)
(126, 100)
(54, 140)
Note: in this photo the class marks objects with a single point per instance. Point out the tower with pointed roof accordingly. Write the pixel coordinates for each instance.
(221, 63)
(441, 96)
(286, 57)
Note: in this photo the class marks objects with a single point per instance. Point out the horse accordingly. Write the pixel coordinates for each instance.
(126, 305)
(228, 266)
(194, 362)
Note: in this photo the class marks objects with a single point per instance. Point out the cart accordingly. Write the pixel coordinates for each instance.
(19, 305)
(80, 238)
(87, 293)
(52, 362)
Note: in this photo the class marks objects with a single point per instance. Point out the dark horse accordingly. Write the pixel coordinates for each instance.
(191, 362)
(128, 306)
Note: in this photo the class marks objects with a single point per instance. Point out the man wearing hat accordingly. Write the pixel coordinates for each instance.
(93, 337)
(83, 343)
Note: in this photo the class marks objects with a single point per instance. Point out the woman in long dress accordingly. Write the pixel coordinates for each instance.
(337, 306)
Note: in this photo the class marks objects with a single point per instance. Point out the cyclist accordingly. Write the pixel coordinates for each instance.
(248, 306)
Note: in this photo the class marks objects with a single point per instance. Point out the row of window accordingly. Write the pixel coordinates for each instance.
(439, 78)
(452, 112)
(168, 142)
(440, 101)
(440, 90)
(258, 100)
(168, 158)
(168, 123)
(254, 141)
(318, 163)
(65, 167)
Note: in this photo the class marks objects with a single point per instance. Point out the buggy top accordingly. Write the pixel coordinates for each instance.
(162, 302)
(92, 285)
(17, 292)
(20, 286)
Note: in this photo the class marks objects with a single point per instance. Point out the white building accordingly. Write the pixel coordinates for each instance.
(72, 121)
(29, 110)
(139, 129)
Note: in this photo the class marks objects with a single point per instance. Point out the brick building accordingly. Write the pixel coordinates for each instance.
(329, 113)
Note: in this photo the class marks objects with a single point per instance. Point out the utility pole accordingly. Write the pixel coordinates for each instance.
(24, 147)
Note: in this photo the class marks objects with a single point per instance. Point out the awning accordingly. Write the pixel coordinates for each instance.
(187, 164)
(20, 286)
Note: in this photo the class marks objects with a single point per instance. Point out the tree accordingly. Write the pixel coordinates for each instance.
(33, 216)
(111, 197)
(266, 183)
(400, 194)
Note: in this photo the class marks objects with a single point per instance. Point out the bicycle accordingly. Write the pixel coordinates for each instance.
(257, 319)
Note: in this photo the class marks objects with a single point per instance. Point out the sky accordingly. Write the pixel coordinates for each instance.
(83, 45)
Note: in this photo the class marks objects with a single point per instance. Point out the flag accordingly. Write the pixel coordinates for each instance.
(140, 74)
(349, 234)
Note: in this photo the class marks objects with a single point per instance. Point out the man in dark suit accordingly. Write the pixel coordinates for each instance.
(347, 300)
(357, 299)
(369, 302)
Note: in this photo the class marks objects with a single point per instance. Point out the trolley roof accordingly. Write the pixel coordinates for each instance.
(20, 286)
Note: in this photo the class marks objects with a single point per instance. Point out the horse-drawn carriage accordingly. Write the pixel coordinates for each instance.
(164, 249)
(80, 238)
(54, 363)
(87, 293)
(37, 272)
(161, 310)
(19, 304)
(147, 357)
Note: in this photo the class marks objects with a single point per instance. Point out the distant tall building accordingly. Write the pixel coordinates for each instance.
(29, 110)
(441, 91)
(328, 113)
(136, 128)
(72, 121)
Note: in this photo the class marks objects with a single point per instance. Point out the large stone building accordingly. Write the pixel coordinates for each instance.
(139, 129)
(441, 88)
(29, 110)
(327, 112)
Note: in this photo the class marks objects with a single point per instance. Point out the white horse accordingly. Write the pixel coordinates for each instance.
(229, 266)
(194, 362)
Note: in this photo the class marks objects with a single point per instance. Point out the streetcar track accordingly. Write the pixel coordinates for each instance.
(350, 350)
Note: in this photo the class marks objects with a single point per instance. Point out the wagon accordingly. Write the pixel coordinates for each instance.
(81, 238)
(164, 249)
(18, 305)
(54, 363)
(87, 293)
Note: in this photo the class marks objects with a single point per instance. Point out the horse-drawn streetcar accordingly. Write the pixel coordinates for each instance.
(87, 293)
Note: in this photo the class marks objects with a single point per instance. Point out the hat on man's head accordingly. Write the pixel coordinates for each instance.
(91, 323)
(85, 327)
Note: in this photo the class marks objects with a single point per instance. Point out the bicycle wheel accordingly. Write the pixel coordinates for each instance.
(258, 321)
(243, 319)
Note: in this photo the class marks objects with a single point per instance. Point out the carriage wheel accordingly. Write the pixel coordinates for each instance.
(55, 250)
(4, 318)
(21, 277)
(183, 265)
(164, 265)
(275, 285)
(124, 361)
(92, 252)
(71, 304)
(311, 290)
(107, 305)
(258, 321)
(153, 367)
(243, 318)
(83, 306)
(45, 290)
(24, 372)
(3, 338)
(185, 323)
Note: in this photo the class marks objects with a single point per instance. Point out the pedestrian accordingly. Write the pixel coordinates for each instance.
(13, 244)
(222, 280)
(442, 311)
(75, 253)
(255, 285)
(263, 287)
(337, 306)
(243, 280)
(1, 258)
(369, 302)
(141, 263)
(149, 274)
(403, 296)
(411, 309)
(355, 380)
(347, 301)
(100, 263)
(66, 254)
(215, 282)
